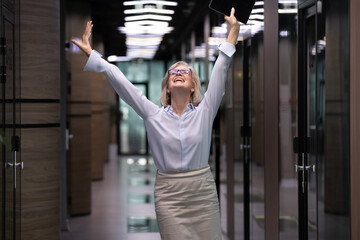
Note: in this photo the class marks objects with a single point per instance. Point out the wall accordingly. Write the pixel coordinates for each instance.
(355, 117)
(40, 89)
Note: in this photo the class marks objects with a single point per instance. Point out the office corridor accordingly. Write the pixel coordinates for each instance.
(122, 204)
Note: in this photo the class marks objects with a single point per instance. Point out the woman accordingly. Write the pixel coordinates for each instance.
(179, 134)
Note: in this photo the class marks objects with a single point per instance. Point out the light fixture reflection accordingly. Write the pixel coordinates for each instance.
(130, 161)
(142, 161)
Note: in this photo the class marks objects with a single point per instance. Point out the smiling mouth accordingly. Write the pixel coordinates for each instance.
(178, 80)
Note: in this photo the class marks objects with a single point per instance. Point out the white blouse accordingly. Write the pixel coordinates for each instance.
(178, 143)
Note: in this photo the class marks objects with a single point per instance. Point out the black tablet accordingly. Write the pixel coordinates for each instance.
(242, 8)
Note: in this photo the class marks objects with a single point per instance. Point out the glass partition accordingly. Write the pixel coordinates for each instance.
(320, 39)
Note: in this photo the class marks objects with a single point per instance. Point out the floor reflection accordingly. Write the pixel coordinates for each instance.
(141, 164)
(142, 224)
(286, 223)
(141, 198)
(141, 181)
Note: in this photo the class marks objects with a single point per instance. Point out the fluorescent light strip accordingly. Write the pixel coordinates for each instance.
(165, 3)
(259, 3)
(256, 16)
(257, 10)
(141, 53)
(219, 30)
(255, 22)
(114, 58)
(148, 17)
(288, 1)
(145, 30)
(142, 43)
(287, 11)
(215, 41)
(144, 38)
(149, 47)
(147, 22)
(149, 10)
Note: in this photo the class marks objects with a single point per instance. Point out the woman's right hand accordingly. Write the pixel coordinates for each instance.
(84, 45)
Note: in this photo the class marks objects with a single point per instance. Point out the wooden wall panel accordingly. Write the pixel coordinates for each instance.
(99, 143)
(40, 113)
(79, 166)
(39, 33)
(40, 52)
(40, 183)
(271, 120)
(355, 117)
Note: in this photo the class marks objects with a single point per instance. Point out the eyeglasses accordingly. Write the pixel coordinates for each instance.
(182, 71)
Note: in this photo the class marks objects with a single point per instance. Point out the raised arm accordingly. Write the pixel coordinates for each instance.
(216, 88)
(124, 88)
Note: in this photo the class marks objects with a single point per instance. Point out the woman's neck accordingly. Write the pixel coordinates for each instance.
(179, 104)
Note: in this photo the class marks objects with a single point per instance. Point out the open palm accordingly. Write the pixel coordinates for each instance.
(84, 45)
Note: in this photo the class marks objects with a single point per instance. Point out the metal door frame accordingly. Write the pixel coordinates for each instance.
(306, 11)
(6, 15)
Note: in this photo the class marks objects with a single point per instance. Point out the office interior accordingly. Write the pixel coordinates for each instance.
(75, 162)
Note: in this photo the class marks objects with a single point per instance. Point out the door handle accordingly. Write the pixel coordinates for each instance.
(67, 139)
(304, 168)
(14, 165)
(307, 168)
(15, 142)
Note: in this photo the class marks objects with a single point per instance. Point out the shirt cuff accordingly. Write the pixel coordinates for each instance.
(227, 48)
(91, 62)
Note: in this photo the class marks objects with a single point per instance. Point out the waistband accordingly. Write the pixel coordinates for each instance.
(198, 173)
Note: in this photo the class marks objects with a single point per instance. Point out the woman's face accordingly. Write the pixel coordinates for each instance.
(180, 79)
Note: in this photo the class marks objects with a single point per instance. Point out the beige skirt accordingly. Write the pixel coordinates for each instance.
(187, 206)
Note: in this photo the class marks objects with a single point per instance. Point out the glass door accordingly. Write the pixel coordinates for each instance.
(314, 107)
(305, 143)
(10, 121)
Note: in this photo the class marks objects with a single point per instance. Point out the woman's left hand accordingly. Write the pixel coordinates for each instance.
(234, 27)
(233, 22)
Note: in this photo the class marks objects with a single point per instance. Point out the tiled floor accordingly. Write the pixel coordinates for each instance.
(122, 204)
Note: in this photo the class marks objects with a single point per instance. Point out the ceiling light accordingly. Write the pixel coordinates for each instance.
(257, 10)
(149, 10)
(288, 11)
(256, 16)
(288, 1)
(165, 3)
(148, 17)
(147, 22)
(145, 30)
(255, 22)
(138, 41)
(284, 33)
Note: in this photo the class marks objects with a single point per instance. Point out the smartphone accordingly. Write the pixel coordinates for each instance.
(242, 8)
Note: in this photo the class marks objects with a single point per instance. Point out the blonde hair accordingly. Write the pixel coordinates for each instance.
(196, 96)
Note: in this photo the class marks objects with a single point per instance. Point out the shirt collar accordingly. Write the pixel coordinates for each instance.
(189, 107)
